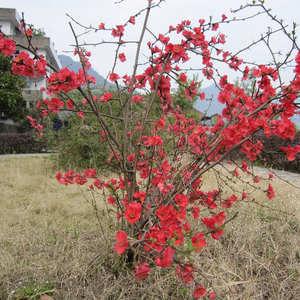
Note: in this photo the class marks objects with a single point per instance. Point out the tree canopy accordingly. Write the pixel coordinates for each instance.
(11, 86)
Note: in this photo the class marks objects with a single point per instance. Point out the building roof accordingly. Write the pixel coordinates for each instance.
(42, 43)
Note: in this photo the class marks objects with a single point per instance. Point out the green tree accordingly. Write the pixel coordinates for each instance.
(187, 105)
(11, 86)
(38, 32)
(179, 97)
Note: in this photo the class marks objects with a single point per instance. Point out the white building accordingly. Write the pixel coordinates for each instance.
(10, 22)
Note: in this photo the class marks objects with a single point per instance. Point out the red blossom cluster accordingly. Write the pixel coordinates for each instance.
(65, 80)
(151, 188)
(7, 46)
(24, 65)
(33, 123)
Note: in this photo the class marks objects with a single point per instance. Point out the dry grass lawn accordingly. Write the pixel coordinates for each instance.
(51, 242)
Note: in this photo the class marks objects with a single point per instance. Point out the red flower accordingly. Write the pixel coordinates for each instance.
(155, 141)
(244, 195)
(165, 259)
(270, 192)
(211, 225)
(185, 273)
(81, 114)
(118, 32)
(28, 32)
(163, 212)
(111, 200)
(7, 46)
(79, 179)
(290, 152)
(236, 173)
(160, 124)
(196, 212)
(198, 241)
(220, 217)
(140, 195)
(122, 242)
(182, 200)
(182, 77)
(132, 20)
(136, 98)
(70, 104)
(106, 97)
(122, 57)
(199, 292)
(113, 77)
(60, 178)
(142, 271)
(101, 26)
(256, 179)
(133, 212)
(245, 166)
(215, 27)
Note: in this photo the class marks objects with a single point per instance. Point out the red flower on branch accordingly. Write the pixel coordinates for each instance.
(133, 212)
(122, 57)
(198, 241)
(270, 192)
(185, 273)
(165, 259)
(118, 32)
(114, 77)
(7, 46)
(122, 242)
(140, 195)
(132, 20)
(163, 212)
(182, 200)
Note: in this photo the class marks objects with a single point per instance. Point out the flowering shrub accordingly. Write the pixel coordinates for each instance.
(161, 158)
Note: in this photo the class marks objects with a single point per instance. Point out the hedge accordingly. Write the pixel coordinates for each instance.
(11, 143)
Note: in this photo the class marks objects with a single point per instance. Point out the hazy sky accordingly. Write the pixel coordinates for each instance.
(51, 15)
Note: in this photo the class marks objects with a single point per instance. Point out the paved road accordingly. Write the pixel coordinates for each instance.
(293, 178)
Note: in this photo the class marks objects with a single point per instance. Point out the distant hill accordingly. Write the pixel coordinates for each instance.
(210, 107)
(72, 65)
(216, 107)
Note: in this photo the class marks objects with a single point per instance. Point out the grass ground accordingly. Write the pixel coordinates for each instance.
(51, 242)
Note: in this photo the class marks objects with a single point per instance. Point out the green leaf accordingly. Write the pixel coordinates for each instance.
(183, 291)
(172, 242)
(190, 244)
